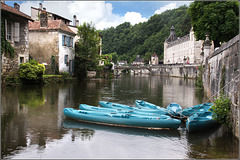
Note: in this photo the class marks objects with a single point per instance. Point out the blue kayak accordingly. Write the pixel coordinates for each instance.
(123, 120)
(116, 110)
(174, 109)
(147, 105)
(200, 121)
(201, 108)
(122, 106)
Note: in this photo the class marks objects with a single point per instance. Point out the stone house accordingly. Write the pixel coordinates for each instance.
(154, 59)
(15, 25)
(184, 50)
(52, 38)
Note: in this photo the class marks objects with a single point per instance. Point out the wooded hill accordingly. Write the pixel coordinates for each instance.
(145, 38)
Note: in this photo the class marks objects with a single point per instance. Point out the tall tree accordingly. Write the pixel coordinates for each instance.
(86, 50)
(219, 19)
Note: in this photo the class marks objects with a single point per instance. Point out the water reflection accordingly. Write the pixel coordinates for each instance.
(33, 124)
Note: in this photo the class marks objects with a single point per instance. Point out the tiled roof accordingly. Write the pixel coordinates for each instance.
(7, 8)
(52, 25)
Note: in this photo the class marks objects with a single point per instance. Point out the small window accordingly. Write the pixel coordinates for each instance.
(21, 60)
(9, 30)
(68, 41)
(64, 40)
(66, 60)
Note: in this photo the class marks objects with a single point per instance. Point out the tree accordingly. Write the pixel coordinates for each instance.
(86, 50)
(219, 19)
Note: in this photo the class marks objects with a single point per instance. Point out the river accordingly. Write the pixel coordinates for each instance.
(33, 124)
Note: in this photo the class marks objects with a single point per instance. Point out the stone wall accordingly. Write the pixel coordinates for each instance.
(221, 69)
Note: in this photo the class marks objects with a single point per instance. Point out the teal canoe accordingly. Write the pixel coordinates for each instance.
(201, 108)
(122, 106)
(116, 110)
(200, 121)
(147, 105)
(123, 120)
(174, 109)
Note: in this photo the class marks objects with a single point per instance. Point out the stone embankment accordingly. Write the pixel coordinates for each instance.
(221, 69)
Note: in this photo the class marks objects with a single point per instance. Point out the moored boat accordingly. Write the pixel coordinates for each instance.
(124, 120)
(147, 105)
(122, 106)
(200, 121)
(201, 108)
(116, 110)
(174, 109)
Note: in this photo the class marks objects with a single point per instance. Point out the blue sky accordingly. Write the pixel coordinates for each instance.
(103, 14)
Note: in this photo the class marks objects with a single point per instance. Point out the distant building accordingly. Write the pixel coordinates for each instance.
(154, 59)
(138, 61)
(122, 63)
(184, 50)
(52, 38)
(16, 32)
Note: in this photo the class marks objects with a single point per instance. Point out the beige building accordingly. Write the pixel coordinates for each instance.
(154, 59)
(184, 50)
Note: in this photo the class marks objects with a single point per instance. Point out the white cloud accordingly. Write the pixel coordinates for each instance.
(171, 5)
(99, 12)
(166, 7)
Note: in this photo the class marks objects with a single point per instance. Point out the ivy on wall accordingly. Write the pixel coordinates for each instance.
(6, 48)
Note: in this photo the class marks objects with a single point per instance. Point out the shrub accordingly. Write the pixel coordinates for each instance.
(31, 70)
(221, 110)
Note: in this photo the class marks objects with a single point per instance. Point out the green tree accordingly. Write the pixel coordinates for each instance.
(219, 19)
(86, 50)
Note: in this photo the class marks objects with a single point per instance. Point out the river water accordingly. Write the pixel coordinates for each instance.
(33, 124)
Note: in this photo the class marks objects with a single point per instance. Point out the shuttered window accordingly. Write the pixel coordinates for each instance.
(68, 41)
(66, 59)
(63, 40)
(16, 32)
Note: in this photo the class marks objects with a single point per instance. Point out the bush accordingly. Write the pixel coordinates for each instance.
(221, 110)
(31, 70)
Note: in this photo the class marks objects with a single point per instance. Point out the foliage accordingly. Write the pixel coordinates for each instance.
(32, 98)
(54, 66)
(218, 18)
(31, 70)
(147, 37)
(86, 50)
(199, 81)
(6, 48)
(221, 110)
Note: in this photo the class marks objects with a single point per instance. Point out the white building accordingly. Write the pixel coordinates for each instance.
(184, 50)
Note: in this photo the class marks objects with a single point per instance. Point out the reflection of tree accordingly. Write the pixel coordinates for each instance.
(84, 134)
(32, 98)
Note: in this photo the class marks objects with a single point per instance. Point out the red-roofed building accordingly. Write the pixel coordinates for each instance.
(154, 59)
(15, 26)
(52, 38)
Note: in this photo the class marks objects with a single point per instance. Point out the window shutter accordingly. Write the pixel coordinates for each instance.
(68, 41)
(12, 31)
(66, 59)
(16, 32)
(63, 40)
(72, 42)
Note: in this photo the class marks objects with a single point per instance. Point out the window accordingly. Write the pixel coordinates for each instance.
(64, 40)
(12, 31)
(21, 60)
(66, 59)
(9, 30)
(16, 31)
(68, 41)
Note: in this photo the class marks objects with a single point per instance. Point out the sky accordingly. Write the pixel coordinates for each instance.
(103, 14)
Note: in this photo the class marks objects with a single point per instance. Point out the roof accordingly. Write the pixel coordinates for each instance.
(51, 13)
(12, 10)
(154, 54)
(52, 25)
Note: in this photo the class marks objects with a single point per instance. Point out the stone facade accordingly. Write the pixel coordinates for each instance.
(17, 33)
(184, 50)
(222, 69)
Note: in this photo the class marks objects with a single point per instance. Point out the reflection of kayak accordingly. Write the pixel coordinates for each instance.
(122, 106)
(124, 120)
(117, 110)
(147, 105)
(200, 121)
(201, 108)
(174, 109)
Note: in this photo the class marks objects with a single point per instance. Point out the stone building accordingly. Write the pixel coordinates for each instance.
(138, 61)
(17, 33)
(52, 38)
(184, 50)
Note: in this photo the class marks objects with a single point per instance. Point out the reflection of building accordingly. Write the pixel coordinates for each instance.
(50, 36)
(16, 32)
(182, 50)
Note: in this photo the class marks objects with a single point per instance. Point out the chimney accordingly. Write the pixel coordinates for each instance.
(74, 20)
(40, 6)
(17, 6)
(77, 22)
(44, 9)
(43, 19)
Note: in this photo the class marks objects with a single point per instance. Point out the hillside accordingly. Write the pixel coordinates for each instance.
(145, 38)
